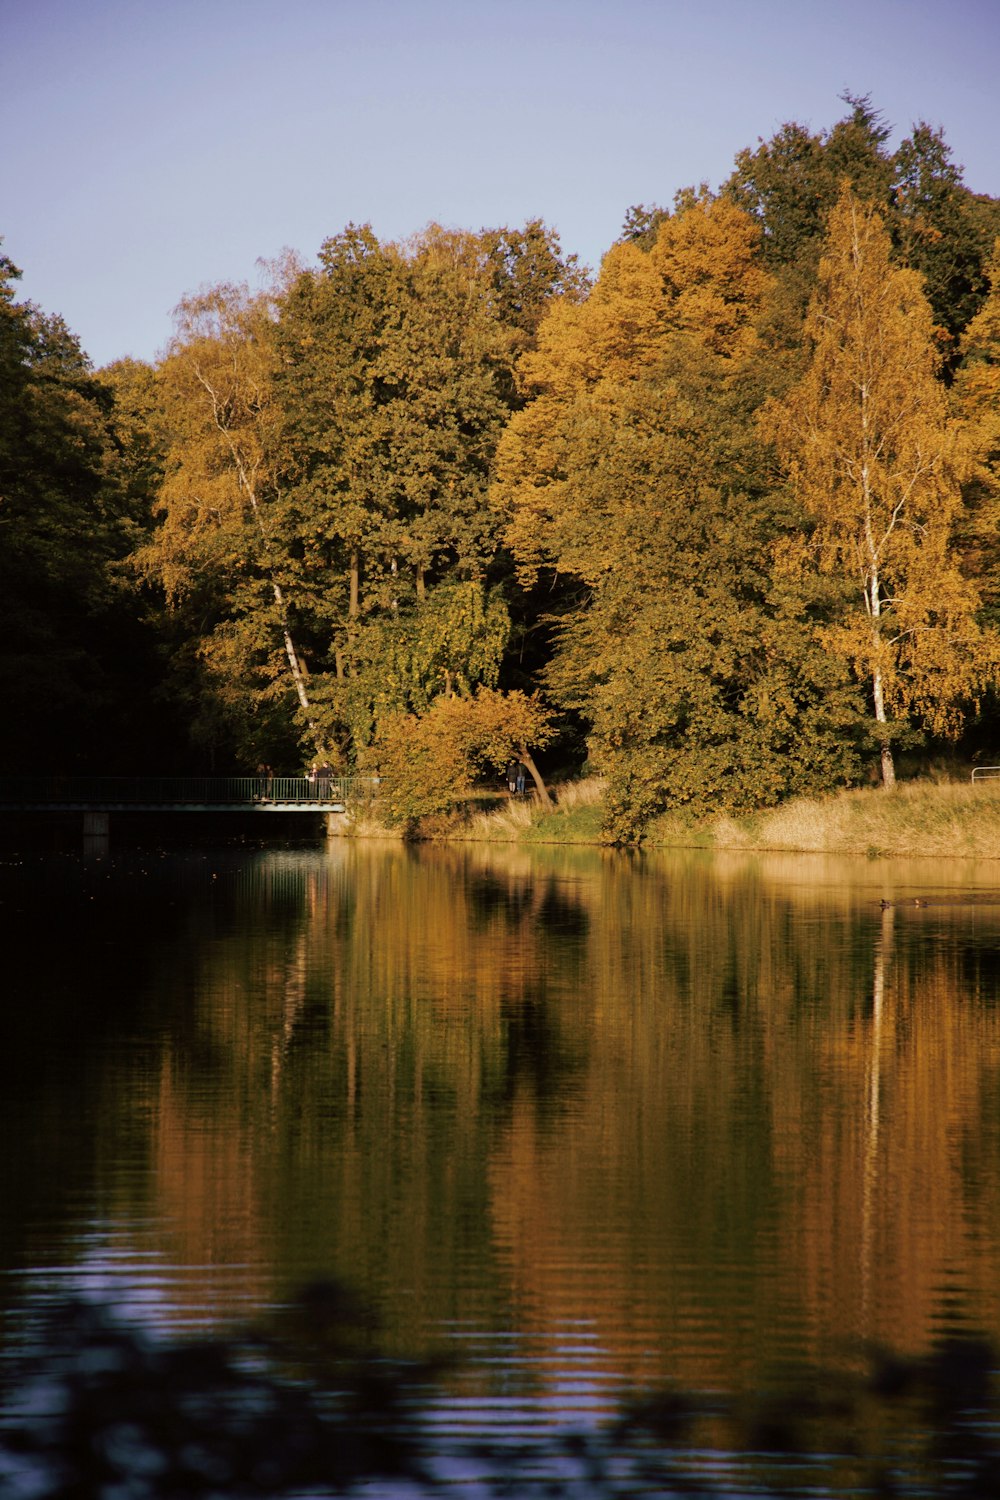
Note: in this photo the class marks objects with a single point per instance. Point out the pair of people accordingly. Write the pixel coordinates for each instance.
(516, 775)
(321, 776)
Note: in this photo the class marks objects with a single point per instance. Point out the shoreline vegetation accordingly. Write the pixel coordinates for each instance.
(921, 818)
(427, 508)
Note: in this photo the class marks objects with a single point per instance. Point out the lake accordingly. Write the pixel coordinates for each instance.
(590, 1121)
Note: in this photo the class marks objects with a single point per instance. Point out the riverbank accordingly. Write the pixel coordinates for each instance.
(919, 819)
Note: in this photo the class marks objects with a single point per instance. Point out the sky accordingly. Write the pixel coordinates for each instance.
(155, 146)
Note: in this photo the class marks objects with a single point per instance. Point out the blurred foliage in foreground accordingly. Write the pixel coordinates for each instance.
(92, 1407)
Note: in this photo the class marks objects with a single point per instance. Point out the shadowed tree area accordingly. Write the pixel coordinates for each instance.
(77, 655)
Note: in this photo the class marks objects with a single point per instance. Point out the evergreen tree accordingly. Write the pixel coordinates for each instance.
(937, 225)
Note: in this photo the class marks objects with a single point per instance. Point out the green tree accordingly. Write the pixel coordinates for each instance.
(73, 665)
(526, 269)
(397, 377)
(138, 436)
(937, 225)
(790, 183)
(874, 458)
(943, 230)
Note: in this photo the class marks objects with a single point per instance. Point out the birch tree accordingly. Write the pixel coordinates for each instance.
(873, 457)
(218, 497)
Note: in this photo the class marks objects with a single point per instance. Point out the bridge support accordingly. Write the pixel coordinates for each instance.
(96, 832)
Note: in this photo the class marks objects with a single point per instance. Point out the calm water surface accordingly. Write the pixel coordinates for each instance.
(590, 1120)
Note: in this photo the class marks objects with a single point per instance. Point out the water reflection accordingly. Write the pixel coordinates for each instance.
(596, 1119)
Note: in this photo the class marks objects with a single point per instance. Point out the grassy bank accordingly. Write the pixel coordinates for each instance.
(920, 818)
(575, 818)
(948, 820)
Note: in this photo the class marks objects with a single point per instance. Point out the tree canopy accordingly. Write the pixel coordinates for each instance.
(720, 522)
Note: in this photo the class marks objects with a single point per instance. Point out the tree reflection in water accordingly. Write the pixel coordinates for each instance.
(603, 1122)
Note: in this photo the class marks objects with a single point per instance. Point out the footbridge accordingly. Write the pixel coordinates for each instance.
(102, 795)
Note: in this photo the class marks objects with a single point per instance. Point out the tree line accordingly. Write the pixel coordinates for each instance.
(719, 522)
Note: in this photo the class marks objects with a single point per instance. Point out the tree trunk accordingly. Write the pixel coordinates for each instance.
(295, 667)
(874, 601)
(536, 776)
(246, 478)
(353, 607)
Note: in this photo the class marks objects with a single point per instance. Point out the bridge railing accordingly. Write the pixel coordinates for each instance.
(178, 791)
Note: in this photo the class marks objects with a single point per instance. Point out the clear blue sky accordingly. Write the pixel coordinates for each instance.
(152, 146)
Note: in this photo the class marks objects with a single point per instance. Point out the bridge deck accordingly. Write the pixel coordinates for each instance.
(190, 794)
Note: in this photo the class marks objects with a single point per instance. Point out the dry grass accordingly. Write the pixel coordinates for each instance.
(512, 820)
(503, 824)
(360, 824)
(948, 820)
(586, 793)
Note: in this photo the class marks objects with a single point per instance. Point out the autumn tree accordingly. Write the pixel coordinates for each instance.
(872, 456)
(976, 402)
(215, 551)
(426, 763)
(634, 471)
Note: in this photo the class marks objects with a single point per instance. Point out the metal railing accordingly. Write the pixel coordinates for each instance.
(985, 773)
(181, 791)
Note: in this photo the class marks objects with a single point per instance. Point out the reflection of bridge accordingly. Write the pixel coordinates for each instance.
(190, 794)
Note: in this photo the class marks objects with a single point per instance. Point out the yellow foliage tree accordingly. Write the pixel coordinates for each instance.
(636, 481)
(976, 399)
(874, 457)
(701, 278)
(427, 762)
(223, 429)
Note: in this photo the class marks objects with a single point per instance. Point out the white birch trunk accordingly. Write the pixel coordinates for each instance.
(873, 599)
(247, 483)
